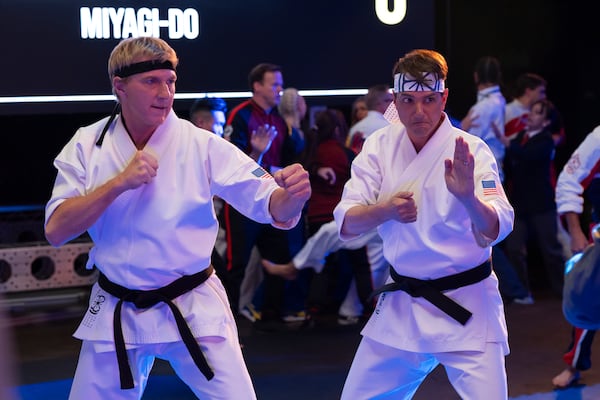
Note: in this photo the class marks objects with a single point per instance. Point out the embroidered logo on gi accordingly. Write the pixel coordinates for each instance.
(379, 304)
(96, 304)
(573, 164)
(261, 173)
(489, 188)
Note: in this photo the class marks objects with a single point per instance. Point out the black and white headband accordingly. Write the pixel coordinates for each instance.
(429, 82)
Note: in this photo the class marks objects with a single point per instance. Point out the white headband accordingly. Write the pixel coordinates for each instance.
(429, 83)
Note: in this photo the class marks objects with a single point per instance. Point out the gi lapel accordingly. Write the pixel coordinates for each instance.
(413, 169)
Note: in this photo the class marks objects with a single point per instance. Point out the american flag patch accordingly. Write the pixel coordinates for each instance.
(261, 173)
(489, 188)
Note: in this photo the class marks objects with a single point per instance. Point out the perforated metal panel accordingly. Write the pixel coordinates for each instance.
(31, 268)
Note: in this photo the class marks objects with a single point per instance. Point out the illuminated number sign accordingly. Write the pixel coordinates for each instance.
(393, 16)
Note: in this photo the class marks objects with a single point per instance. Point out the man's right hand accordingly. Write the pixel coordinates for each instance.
(141, 170)
(76, 214)
(363, 218)
(401, 207)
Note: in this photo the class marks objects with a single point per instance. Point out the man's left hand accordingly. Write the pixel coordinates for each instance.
(459, 171)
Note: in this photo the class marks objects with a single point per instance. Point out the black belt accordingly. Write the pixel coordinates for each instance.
(149, 298)
(432, 289)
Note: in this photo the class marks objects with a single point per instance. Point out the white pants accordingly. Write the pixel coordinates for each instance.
(382, 372)
(97, 374)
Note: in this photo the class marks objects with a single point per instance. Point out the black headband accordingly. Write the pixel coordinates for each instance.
(144, 66)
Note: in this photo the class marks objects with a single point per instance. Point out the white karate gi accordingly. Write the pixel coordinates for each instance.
(569, 188)
(149, 237)
(438, 244)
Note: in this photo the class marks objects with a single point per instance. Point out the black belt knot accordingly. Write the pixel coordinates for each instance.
(146, 299)
(431, 289)
(414, 287)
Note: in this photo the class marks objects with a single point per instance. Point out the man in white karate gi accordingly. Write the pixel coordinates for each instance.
(434, 193)
(142, 184)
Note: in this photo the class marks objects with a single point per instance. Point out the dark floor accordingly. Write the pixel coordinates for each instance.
(310, 362)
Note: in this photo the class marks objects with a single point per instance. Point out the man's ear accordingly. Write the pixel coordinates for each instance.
(119, 85)
(254, 84)
(445, 96)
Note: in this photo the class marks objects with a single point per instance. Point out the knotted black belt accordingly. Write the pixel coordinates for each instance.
(149, 298)
(432, 289)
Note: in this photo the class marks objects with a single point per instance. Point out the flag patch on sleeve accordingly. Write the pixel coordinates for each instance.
(489, 188)
(260, 173)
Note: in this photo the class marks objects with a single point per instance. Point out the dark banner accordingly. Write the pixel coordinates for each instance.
(61, 48)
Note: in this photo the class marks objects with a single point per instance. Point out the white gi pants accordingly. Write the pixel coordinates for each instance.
(382, 372)
(97, 374)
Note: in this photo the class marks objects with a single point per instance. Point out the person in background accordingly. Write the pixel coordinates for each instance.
(141, 183)
(292, 108)
(209, 113)
(359, 110)
(378, 98)
(435, 196)
(485, 120)
(529, 88)
(531, 192)
(328, 161)
(579, 183)
(366, 251)
(258, 129)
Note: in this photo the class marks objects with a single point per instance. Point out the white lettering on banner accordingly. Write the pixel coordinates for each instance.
(390, 17)
(114, 16)
(121, 23)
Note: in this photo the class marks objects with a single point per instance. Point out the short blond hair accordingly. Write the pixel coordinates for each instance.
(133, 50)
(288, 105)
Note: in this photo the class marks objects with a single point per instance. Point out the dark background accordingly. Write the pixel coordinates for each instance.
(320, 44)
(557, 39)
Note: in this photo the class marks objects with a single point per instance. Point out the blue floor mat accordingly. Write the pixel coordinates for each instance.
(159, 388)
(170, 387)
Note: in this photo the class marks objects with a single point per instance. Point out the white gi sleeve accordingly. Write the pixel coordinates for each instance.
(489, 189)
(70, 178)
(241, 182)
(569, 190)
(363, 187)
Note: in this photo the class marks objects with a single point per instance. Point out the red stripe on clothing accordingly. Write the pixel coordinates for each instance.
(573, 355)
(235, 111)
